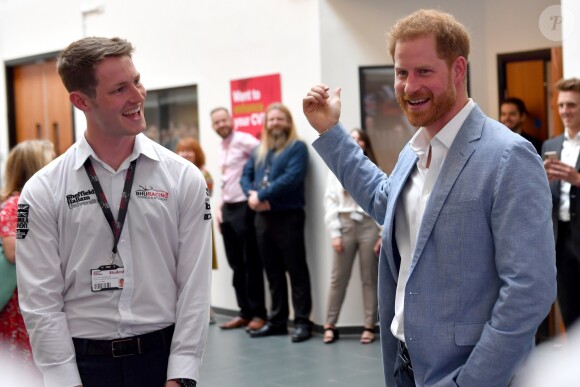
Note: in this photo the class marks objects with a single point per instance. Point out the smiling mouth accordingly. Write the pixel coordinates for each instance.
(133, 112)
(417, 101)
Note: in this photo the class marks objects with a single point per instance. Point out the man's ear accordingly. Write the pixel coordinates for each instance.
(79, 100)
(459, 68)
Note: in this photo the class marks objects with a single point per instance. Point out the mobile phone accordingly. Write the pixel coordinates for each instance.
(550, 155)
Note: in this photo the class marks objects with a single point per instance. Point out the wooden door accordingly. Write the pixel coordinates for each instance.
(42, 107)
(557, 73)
(59, 123)
(29, 102)
(526, 80)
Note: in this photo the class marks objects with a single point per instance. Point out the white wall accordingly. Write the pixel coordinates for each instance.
(571, 38)
(210, 43)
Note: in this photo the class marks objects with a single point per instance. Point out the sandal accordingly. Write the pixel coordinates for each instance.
(368, 336)
(329, 339)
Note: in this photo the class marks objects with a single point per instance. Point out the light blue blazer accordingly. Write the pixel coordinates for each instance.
(483, 274)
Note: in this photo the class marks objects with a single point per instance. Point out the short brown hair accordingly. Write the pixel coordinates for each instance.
(191, 144)
(24, 160)
(219, 109)
(76, 63)
(451, 37)
(571, 84)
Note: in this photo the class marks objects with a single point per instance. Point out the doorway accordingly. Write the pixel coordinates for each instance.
(530, 76)
(38, 103)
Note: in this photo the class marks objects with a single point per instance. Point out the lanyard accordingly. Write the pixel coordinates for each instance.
(117, 226)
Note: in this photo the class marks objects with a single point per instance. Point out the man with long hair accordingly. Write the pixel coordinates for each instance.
(273, 180)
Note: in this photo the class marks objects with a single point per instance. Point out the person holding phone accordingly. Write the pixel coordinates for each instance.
(562, 163)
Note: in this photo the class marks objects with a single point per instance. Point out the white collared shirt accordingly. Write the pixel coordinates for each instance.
(337, 201)
(414, 199)
(569, 155)
(164, 247)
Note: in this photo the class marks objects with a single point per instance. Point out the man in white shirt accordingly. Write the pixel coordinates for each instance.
(562, 163)
(467, 268)
(114, 241)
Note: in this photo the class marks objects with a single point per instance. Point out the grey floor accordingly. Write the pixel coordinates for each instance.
(233, 359)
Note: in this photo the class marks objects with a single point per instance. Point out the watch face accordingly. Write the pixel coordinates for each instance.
(186, 382)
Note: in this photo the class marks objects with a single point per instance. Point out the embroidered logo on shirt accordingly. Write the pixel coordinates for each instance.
(22, 221)
(81, 198)
(151, 193)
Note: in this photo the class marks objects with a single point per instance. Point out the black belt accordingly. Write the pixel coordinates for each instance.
(127, 346)
(405, 358)
(236, 204)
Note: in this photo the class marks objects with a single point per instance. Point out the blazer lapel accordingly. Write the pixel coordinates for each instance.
(458, 155)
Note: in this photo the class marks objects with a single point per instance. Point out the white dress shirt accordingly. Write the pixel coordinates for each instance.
(337, 201)
(414, 199)
(569, 155)
(164, 247)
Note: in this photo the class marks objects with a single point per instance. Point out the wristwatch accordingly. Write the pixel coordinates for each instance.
(185, 382)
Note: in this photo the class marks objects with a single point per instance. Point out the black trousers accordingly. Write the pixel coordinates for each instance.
(280, 236)
(100, 366)
(403, 373)
(242, 253)
(568, 278)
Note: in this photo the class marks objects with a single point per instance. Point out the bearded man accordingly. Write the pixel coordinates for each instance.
(273, 180)
(467, 268)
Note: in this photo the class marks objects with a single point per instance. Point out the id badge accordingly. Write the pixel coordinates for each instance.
(356, 216)
(107, 277)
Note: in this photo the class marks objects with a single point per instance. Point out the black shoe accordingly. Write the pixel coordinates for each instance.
(301, 333)
(269, 330)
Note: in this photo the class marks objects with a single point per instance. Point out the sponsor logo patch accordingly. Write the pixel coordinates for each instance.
(22, 221)
(151, 193)
(81, 198)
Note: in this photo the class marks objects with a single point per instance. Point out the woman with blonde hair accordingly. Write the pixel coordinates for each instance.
(24, 160)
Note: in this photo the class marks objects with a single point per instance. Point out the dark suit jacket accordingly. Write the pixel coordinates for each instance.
(555, 144)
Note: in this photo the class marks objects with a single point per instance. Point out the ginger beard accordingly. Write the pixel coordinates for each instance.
(439, 105)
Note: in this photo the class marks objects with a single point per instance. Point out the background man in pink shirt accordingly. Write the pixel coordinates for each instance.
(236, 222)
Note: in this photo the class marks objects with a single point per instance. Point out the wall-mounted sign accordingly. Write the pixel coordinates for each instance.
(250, 98)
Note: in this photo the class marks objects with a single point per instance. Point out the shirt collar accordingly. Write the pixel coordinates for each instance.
(143, 145)
(421, 141)
(576, 138)
(226, 141)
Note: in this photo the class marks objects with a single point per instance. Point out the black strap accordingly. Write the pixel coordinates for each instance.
(117, 226)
